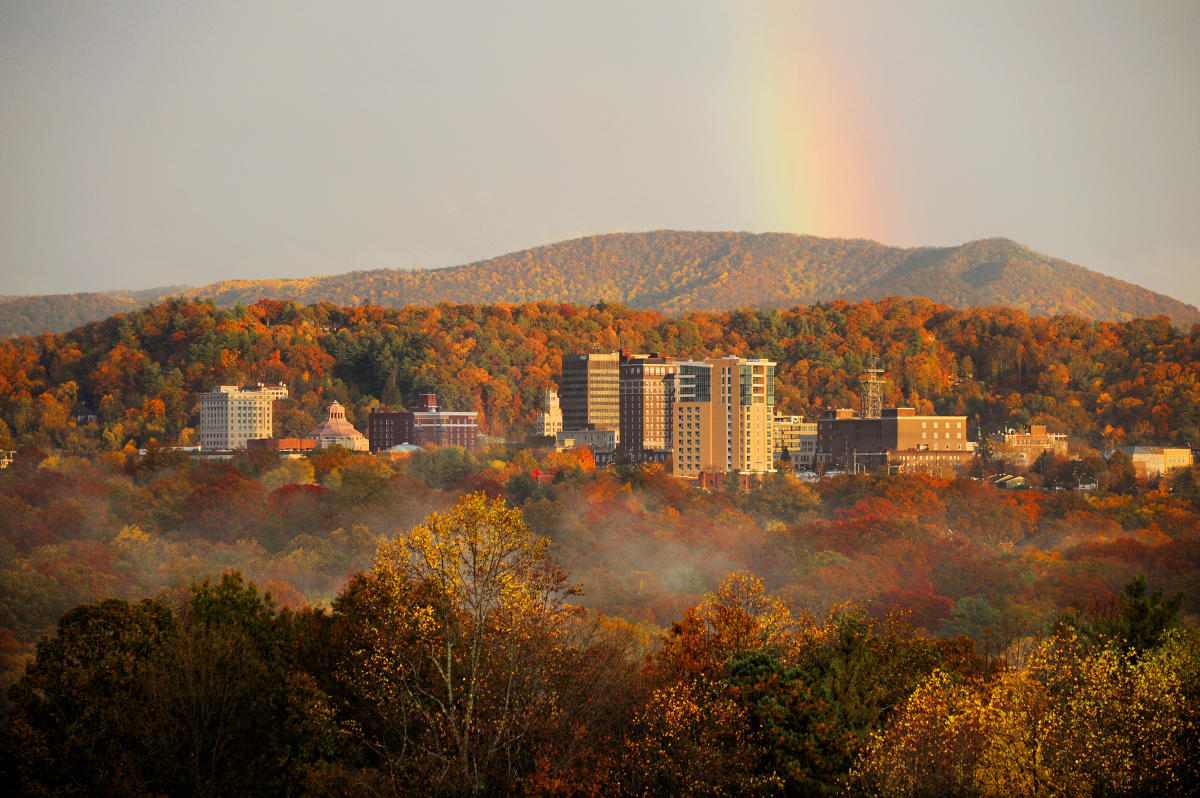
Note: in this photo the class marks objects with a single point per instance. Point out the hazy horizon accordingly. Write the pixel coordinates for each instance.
(147, 145)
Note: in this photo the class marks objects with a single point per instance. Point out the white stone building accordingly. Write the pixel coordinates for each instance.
(230, 416)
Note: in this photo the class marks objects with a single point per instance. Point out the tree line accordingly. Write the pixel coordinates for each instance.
(459, 663)
(139, 373)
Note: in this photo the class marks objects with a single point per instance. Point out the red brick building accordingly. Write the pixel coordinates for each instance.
(425, 426)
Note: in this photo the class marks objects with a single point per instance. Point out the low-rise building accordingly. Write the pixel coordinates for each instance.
(1026, 447)
(425, 426)
(798, 438)
(898, 440)
(335, 430)
(598, 440)
(1152, 461)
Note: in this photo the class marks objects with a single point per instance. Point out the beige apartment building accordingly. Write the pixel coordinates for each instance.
(231, 416)
(723, 417)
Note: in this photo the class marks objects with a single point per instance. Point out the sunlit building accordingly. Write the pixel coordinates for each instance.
(426, 426)
(647, 389)
(723, 417)
(1026, 447)
(797, 437)
(898, 440)
(335, 430)
(590, 391)
(231, 416)
(1152, 461)
(550, 421)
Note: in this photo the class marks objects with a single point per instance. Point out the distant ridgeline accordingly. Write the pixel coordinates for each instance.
(676, 272)
(135, 378)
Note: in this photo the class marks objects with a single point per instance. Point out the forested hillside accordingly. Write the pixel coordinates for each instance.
(676, 272)
(866, 633)
(1101, 382)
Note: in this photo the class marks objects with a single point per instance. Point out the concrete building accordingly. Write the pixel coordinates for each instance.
(590, 391)
(335, 430)
(798, 437)
(231, 416)
(1154, 461)
(425, 426)
(647, 391)
(598, 440)
(723, 416)
(1027, 446)
(899, 440)
(550, 421)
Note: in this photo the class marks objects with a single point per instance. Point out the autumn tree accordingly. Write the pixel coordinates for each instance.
(460, 642)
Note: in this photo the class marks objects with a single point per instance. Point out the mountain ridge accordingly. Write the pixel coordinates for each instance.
(675, 272)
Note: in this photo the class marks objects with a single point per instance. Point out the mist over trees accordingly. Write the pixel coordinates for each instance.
(457, 662)
(881, 633)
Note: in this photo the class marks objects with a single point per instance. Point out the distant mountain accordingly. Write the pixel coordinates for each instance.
(676, 271)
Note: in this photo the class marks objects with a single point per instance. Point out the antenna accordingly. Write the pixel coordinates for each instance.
(872, 399)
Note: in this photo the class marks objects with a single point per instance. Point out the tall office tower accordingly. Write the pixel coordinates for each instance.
(550, 420)
(647, 397)
(724, 409)
(230, 416)
(590, 391)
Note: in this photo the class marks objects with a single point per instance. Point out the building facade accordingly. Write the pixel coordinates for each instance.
(647, 391)
(231, 416)
(550, 421)
(899, 440)
(723, 417)
(1027, 446)
(798, 438)
(1153, 461)
(590, 391)
(425, 426)
(335, 430)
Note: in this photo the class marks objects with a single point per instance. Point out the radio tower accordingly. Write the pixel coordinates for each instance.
(872, 399)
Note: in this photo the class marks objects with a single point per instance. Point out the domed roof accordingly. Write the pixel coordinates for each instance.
(336, 425)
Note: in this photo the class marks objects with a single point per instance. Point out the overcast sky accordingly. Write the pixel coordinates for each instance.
(155, 143)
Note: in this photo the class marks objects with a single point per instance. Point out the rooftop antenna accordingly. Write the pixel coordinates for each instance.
(872, 399)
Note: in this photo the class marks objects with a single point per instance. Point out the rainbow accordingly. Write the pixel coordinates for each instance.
(816, 154)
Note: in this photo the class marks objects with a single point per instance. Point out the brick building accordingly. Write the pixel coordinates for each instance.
(899, 440)
(425, 426)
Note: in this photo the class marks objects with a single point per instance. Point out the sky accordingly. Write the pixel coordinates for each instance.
(145, 144)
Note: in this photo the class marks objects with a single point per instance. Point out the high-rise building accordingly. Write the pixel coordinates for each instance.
(590, 391)
(899, 440)
(723, 416)
(550, 421)
(647, 387)
(230, 416)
